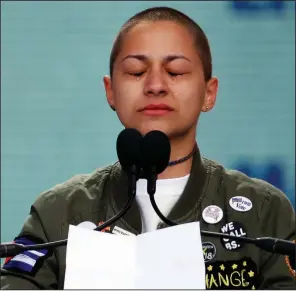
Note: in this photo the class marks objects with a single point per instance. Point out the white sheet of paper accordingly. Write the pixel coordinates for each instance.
(169, 258)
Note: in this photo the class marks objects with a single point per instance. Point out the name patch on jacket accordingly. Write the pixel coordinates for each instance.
(115, 230)
(230, 275)
(28, 261)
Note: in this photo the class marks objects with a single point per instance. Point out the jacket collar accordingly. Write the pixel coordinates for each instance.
(184, 209)
(190, 200)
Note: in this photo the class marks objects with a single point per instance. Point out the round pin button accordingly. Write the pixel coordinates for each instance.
(212, 214)
(209, 251)
(240, 203)
(236, 229)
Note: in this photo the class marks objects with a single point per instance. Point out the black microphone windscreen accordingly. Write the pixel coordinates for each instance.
(156, 151)
(128, 148)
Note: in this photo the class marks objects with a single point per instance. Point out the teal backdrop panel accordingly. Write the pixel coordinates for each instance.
(55, 122)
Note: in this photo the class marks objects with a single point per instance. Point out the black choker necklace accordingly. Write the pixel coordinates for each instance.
(173, 163)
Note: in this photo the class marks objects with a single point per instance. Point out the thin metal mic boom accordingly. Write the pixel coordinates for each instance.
(268, 244)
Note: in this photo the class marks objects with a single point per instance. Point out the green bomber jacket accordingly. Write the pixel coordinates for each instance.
(222, 200)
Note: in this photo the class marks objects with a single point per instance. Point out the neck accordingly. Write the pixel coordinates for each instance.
(179, 149)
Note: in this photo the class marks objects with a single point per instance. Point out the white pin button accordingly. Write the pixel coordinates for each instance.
(240, 203)
(212, 214)
(87, 224)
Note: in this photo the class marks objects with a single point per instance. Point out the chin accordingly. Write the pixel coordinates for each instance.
(171, 129)
(173, 132)
(147, 127)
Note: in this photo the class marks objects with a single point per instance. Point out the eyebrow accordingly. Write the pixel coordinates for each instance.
(144, 58)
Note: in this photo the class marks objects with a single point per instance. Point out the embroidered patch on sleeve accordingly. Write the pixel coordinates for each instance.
(29, 261)
(291, 263)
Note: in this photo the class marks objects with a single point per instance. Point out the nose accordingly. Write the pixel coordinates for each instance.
(155, 85)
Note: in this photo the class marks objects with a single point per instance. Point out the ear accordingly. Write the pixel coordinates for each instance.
(210, 96)
(109, 92)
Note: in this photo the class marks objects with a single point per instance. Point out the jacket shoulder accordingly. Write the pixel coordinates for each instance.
(263, 189)
(82, 183)
(238, 183)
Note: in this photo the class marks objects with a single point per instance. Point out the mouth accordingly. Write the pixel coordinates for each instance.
(156, 109)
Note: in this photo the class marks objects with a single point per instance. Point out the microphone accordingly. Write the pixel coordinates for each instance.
(128, 152)
(156, 151)
(128, 147)
(155, 156)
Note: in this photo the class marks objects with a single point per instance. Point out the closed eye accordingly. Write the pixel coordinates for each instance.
(136, 74)
(175, 74)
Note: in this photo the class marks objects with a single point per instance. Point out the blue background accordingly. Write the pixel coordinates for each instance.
(55, 122)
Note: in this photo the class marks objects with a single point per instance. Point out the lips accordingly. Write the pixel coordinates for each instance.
(156, 109)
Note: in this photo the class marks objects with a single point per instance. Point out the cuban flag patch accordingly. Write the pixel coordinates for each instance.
(28, 261)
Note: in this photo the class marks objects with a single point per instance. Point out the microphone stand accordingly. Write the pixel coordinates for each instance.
(10, 250)
(132, 189)
(268, 244)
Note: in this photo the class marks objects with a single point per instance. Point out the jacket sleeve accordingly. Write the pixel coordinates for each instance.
(278, 221)
(31, 269)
